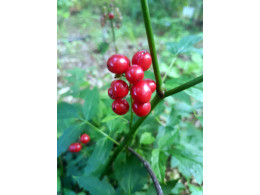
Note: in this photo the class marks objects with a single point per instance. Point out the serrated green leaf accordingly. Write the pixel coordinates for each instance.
(185, 45)
(95, 186)
(147, 138)
(91, 104)
(66, 111)
(99, 156)
(195, 190)
(130, 174)
(69, 136)
(189, 162)
(69, 192)
(168, 138)
(158, 163)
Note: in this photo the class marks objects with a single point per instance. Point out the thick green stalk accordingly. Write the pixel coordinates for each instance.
(154, 102)
(150, 38)
(184, 86)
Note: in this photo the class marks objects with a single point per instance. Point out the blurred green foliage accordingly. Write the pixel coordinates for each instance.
(170, 139)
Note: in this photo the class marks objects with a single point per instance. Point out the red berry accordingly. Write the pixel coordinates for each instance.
(118, 63)
(119, 89)
(151, 84)
(120, 106)
(110, 93)
(134, 73)
(75, 147)
(141, 109)
(143, 59)
(111, 15)
(84, 138)
(141, 92)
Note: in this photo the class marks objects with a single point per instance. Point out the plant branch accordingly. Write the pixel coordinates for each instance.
(146, 164)
(150, 38)
(150, 171)
(184, 86)
(103, 133)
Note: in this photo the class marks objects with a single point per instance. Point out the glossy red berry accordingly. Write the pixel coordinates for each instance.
(120, 106)
(110, 93)
(75, 147)
(118, 63)
(119, 89)
(111, 15)
(141, 109)
(141, 92)
(151, 84)
(84, 138)
(134, 73)
(143, 59)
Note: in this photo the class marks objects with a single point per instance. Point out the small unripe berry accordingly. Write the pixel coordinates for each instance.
(134, 73)
(141, 109)
(120, 106)
(118, 63)
(143, 59)
(111, 15)
(84, 138)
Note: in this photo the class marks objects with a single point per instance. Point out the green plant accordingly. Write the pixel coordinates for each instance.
(167, 137)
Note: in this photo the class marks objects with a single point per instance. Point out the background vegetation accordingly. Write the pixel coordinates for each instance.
(170, 139)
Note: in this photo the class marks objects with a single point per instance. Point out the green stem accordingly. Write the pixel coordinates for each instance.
(103, 133)
(154, 102)
(169, 69)
(151, 42)
(113, 34)
(184, 86)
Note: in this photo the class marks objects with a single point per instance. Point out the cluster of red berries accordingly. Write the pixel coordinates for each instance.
(76, 147)
(141, 89)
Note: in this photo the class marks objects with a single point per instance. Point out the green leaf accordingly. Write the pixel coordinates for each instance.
(195, 190)
(179, 187)
(167, 138)
(69, 136)
(69, 192)
(188, 161)
(185, 45)
(91, 104)
(66, 111)
(111, 117)
(195, 93)
(158, 163)
(147, 138)
(95, 186)
(99, 156)
(58, 184)
(130, 174)
(166, 188)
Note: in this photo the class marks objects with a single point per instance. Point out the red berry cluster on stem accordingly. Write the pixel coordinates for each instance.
(141, 89)
(76, 147)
